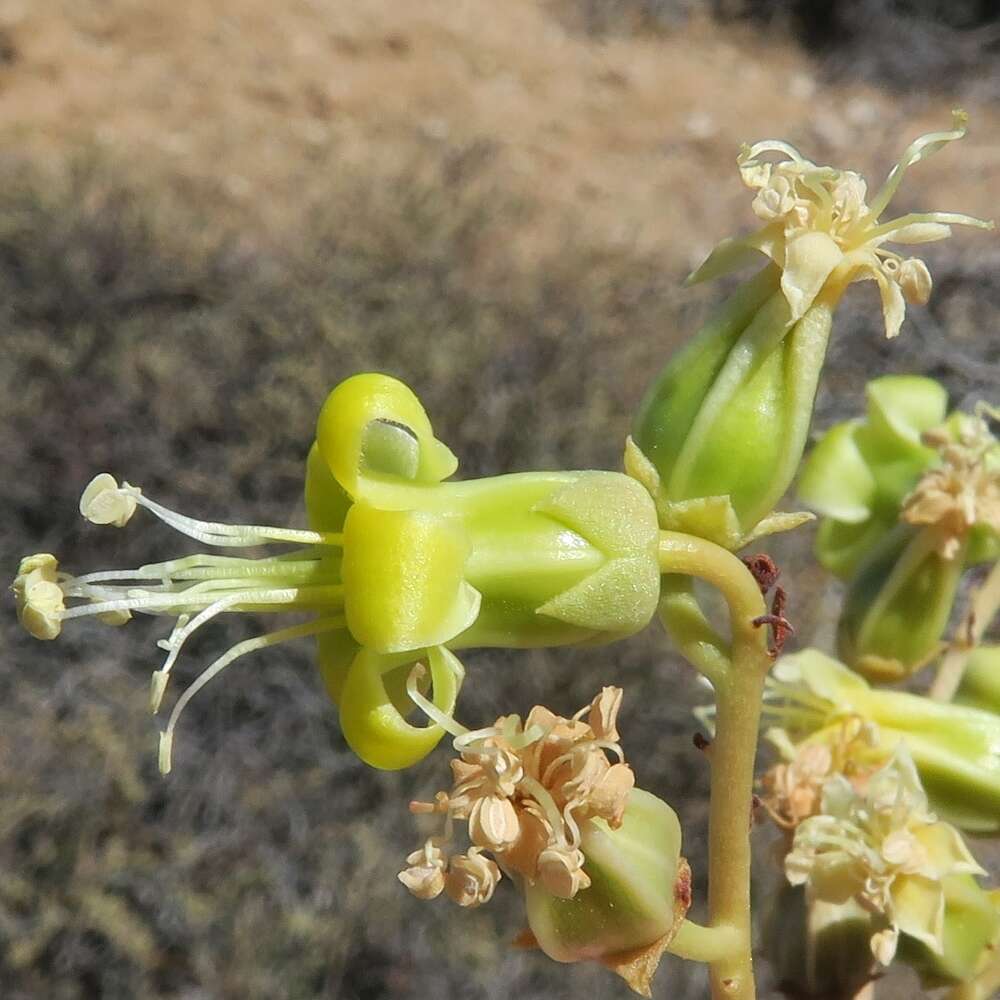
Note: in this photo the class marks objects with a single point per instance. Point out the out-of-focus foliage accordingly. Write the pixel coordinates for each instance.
(896, 43)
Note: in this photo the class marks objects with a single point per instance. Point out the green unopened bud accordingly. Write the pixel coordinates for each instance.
(879, 635)
(638, 894)
(956, 749)
(725, 424)
(970, 929)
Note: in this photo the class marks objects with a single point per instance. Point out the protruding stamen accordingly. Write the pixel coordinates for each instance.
(105, 502)
(215, 668)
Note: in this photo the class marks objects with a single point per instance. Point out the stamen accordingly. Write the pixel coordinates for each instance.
(100, 497)
(182, 630)
(541, 795)
(445, 721)
(215, 668)
(919, 149)
(249, 599)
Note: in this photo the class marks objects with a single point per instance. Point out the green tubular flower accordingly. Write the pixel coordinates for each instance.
(883, 848)
(904, 454)
(956, 749)
(400, 566)
(531, 559)
(721, 432)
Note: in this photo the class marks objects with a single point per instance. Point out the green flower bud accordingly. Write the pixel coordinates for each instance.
(971, 926)
(725, 424)
(878, 633)
(956, 749)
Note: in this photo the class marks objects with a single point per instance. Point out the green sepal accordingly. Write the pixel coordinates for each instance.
(971, 926)
(615, 515)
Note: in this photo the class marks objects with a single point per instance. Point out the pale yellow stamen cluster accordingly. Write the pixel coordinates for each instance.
(38, 595)
(195, 588)
(822, 230)
(964, 490)
(881, 846)
(523, 790)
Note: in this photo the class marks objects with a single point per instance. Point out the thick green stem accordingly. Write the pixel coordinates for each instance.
(739, 690)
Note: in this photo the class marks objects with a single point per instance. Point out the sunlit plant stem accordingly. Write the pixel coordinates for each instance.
(737, 675)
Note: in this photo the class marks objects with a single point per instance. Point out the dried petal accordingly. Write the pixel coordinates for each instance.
(471, 879)
(603, 715)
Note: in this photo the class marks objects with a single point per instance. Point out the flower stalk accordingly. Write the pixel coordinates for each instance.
(739, 689)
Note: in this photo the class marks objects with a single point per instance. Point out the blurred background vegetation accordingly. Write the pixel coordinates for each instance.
(209, 215)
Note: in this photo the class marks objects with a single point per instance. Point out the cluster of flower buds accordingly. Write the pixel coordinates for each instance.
(523, 790)
(910, 498)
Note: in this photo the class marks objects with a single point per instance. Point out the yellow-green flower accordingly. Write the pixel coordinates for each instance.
(886, 850)
(721, 432)
(956, 748)
(399, 565)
